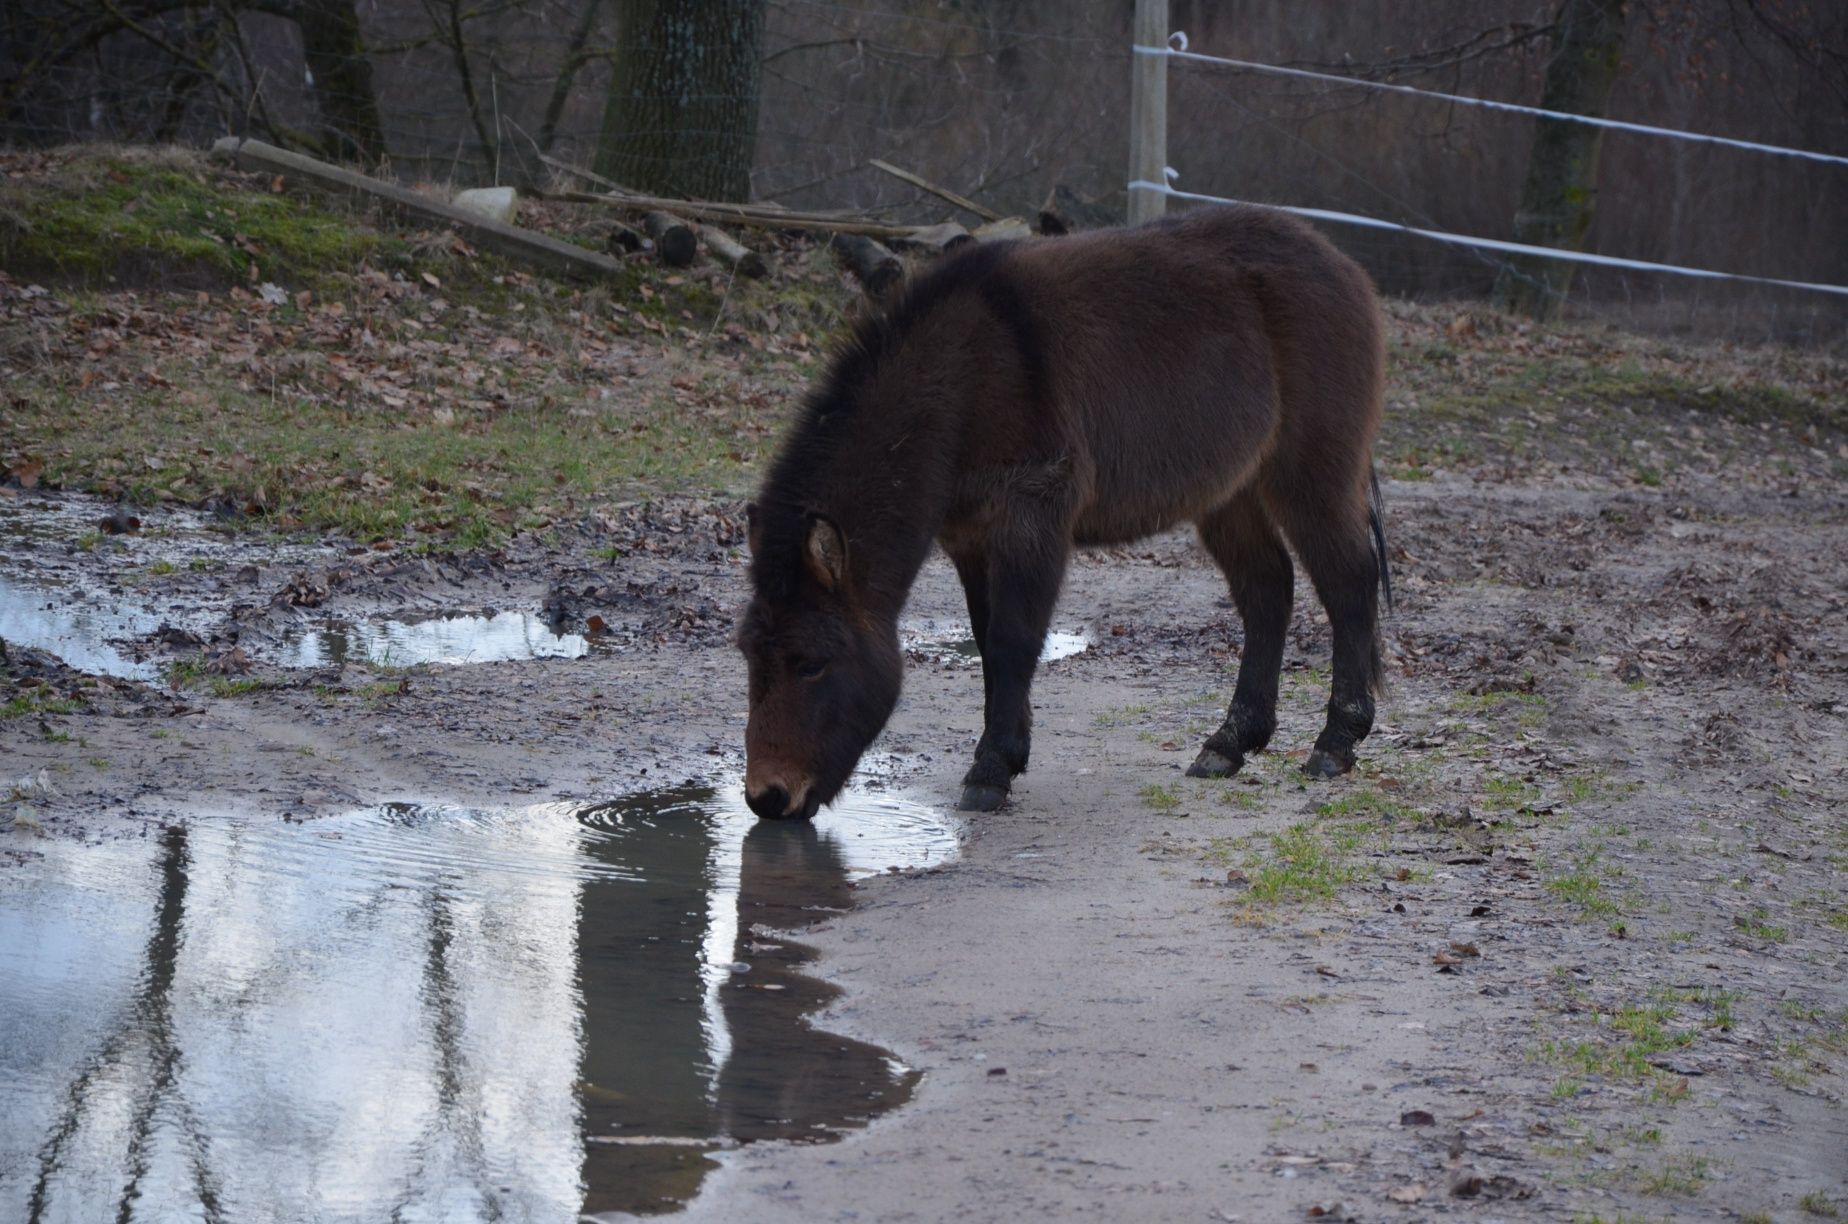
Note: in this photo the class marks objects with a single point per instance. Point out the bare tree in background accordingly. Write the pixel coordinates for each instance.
(341, 76)
(682, 112)
(65, 62)
(1561, 191)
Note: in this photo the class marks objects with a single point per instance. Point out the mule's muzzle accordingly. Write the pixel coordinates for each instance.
(774, 803)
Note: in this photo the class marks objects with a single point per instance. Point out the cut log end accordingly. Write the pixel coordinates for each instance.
(876, 268)
(675, 243)
(732, 253)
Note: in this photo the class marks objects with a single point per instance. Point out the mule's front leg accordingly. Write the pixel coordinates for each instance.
(1023, 586)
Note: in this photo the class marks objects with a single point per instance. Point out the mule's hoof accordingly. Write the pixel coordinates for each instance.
(1326, 765)
(1214, 764)
(981, 797)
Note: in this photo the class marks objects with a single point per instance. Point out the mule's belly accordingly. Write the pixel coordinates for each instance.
(1148, 472)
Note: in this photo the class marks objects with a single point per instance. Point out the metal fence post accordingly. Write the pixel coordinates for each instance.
(1148, 112)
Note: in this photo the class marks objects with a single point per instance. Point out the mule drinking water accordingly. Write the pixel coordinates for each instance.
(1224, 367)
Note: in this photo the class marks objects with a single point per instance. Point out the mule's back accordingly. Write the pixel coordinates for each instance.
(1188, 355)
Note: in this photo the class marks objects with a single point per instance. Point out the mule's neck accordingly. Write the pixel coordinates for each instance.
(892, 485)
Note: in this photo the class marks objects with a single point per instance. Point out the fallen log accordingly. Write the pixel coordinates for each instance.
(935, 239)
(943, 193)
(878, 269)
(734, 253)
(761, 216)
(626, 239)
(1000, 231)
(525, 246)
(674, 241)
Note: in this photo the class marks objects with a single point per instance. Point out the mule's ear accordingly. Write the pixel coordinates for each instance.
(826, 553)
(753, 528)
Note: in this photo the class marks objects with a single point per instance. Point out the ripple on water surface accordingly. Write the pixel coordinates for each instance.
(428, 1012)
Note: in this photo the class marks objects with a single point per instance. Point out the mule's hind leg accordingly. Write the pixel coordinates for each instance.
(972, 569)
(1242, 541)
(1336, 546)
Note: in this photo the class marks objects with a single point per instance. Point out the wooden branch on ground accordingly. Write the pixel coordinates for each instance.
(526, 246)
(761, 216)
(962, 202)
(877, 268)
(734, 253)
(674, 242)
(589, 176)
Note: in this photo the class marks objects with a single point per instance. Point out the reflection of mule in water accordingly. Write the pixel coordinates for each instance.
(785, 1079)
(1225, 368)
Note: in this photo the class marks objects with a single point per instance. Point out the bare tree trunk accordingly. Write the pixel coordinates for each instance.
(1562, 171)
(682, 114)
(575, 59)
(342, 75)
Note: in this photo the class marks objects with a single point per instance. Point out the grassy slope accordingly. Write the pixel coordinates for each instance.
(407, 388)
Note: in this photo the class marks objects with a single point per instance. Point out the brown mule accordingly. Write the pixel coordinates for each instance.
(1224, 367)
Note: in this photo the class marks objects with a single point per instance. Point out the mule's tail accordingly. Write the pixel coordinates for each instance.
(1376, 519)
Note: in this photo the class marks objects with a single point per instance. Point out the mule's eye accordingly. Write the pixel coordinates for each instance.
(811, 669)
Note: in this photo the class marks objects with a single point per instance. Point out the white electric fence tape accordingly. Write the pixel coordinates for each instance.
(1177, 48)
(1495, 244)
(1181, 52)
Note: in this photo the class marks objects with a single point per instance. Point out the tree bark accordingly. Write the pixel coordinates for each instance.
(1560, 195)
(342, 74)
(682, 113)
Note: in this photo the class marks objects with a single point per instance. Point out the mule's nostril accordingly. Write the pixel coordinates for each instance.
(769, 803)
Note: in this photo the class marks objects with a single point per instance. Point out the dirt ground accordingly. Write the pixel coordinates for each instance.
(1570, 944)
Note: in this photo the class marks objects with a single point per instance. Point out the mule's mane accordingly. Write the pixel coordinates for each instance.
(798, 484)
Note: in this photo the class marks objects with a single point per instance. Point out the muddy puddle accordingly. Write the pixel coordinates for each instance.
(88, 634)
(941, 645)
(94, 599)
(415, 1012)
(492, 637)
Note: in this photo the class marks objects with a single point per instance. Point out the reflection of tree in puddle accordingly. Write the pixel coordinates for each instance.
(417, 1012)
(142, 1051)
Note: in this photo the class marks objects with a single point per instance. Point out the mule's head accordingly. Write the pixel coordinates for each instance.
(824, 676)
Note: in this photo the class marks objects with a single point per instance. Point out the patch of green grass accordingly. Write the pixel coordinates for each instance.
(1509, 794)
(1817, 1203)
(1682, 1175)
(1756, 925)
(1368, 803)
(1630, 1037)
(1583, 887)
(1302, 863)
(40, 700)
(1241, 797)
(163, 218)
(1493, 702)
(197, 675)
(1160, 797)
(320, 464)
(161, 568)
(1120, 716)
(376, 692)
